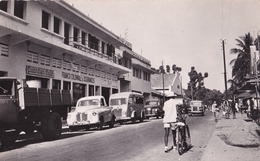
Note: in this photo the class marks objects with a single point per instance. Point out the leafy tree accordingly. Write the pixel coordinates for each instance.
(161, 69)
(168, 69)
(242, 64)
(175, 68)
(196, 83)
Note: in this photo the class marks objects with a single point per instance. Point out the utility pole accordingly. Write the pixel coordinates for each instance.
(163, 82)
(225, 71)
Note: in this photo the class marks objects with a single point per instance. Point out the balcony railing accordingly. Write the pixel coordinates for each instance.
(95, 50)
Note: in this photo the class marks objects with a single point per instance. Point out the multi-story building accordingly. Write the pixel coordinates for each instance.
(139, 79)
(57, 46)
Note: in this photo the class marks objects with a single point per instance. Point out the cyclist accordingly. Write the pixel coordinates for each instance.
(169, 120)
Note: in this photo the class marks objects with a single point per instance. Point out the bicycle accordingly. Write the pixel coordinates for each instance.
(183, 134)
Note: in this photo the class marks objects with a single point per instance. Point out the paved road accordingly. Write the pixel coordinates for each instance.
(141, 141)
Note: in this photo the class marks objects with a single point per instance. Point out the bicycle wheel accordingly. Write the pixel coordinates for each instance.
(188, 138)
(180, 142)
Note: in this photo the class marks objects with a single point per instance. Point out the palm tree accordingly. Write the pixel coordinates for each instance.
(233, 88)
(241, 64)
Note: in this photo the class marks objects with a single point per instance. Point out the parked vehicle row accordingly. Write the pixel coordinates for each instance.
(93, 111)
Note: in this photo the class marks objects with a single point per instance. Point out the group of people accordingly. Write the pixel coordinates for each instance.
(226, 106)
(171, 116)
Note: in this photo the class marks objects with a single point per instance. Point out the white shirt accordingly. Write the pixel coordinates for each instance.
(170, 111)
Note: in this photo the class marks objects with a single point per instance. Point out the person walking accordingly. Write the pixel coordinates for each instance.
(169, 122)
(214, 108)
(233, 108)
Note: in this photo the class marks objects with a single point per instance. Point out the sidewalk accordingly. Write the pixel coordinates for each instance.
(234, 140)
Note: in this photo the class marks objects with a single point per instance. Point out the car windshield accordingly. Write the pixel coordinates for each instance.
(6, 87)
(94, 102)
(118, 101)
(152, 103)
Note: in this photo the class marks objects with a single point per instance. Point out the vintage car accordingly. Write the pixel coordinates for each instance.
(153, 108)
(197, 107)
(128, 106)
(89, 112)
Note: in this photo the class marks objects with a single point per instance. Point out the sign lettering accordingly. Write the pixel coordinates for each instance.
(35, 71)
(77, 77)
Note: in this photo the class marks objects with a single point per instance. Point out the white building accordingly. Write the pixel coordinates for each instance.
(57, 46)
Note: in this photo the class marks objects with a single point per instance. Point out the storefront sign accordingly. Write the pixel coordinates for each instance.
(35, 71)
(77, 77)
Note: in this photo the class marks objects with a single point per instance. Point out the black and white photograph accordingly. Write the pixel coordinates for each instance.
(129, 80)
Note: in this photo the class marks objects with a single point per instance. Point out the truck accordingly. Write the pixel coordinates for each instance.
(91, 111)
(197, 107)
(27, 109)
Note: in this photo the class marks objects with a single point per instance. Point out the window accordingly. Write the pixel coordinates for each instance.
(66, 33)
(108, 76)
(56, 84)
(97, 73)
(146, 76)
(93, 42)
(139, 100)
(75, 68)
(45, 20)
(103, 74)
(110, 50)
(83, 38)
(66, 85)
(3, 5)
(75, 34)
(4, 50)
(56, 25)
(66, 65)
(56, 63)
(19, 9)
(32, 57)
(84, 70)
(91, 71)
(103, 47)
(45, 60)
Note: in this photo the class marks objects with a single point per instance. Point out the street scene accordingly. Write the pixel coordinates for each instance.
(129, 80)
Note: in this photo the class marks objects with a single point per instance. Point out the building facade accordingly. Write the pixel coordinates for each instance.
(170, 85)
(50, 44)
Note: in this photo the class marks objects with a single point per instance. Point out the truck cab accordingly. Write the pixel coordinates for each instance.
(9, 103)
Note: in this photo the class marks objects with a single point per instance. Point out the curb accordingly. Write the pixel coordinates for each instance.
(234, 139)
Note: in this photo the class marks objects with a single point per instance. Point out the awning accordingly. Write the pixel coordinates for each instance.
(245, 95)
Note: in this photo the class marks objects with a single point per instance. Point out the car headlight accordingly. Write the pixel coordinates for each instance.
(148, 109)
(94, 113)
(69, 116)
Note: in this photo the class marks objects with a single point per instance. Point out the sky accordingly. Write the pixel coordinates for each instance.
(182, 32)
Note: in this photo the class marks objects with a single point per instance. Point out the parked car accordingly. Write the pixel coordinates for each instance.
(153, 108)
(89, 112)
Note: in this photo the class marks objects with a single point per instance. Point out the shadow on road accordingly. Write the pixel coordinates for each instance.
(35, 138)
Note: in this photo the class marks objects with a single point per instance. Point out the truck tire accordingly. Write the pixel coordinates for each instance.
(51, 126)
(25, 123)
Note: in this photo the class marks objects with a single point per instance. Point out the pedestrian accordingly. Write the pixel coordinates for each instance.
(214, 108)
(233, 108)
(169, 122)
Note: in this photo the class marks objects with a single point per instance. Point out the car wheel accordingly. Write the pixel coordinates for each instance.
(112, 122)
(101, 123)
(133, 119)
